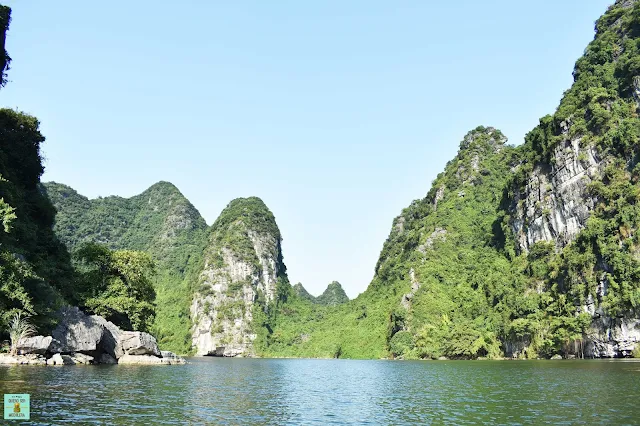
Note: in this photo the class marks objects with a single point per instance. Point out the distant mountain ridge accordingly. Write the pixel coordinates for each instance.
(333, 295)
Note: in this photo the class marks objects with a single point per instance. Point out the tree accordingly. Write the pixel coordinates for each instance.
(117, 285)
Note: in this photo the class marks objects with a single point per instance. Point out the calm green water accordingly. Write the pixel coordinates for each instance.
(296, 392)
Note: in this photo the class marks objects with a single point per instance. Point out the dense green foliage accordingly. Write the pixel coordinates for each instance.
(117, 285)
(601, 111)
(231, 229)
(161, 222)
(447, 247)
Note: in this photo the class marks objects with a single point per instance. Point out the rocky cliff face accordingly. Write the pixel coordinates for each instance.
(555, 203)
(242, 268)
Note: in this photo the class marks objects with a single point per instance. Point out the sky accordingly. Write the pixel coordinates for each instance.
(337, 114)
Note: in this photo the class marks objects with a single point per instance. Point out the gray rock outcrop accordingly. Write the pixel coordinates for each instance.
(90, 339)
(555, 204)
(136, 343)
(612, 337)
(78, 332)
(34, 345)
(56, 359)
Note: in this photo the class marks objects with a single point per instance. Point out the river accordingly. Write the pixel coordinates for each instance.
(221, 391)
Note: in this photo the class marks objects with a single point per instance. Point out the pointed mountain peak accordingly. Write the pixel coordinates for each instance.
(302, 292)
(333, 295)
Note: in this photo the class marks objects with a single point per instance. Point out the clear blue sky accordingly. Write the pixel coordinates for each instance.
(336, 113)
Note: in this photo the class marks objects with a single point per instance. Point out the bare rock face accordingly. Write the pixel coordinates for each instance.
(555, 203)
(34, 345)
(242, 267)
(8, 359)
(81, 359)
(81, 333)
(415, 286)
(90, 339)
(85, 339)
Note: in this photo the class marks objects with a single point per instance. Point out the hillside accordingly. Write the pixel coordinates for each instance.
(160, 221)
(573, 202)
(430, 266)
(528, 251)
(302, 293)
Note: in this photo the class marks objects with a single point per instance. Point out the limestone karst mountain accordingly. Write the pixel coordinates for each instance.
(243, 275)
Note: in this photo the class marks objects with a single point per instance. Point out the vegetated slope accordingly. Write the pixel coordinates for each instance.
(434, 269)
(528, 251)
(242, 281)
(160, 221)
(35, 268)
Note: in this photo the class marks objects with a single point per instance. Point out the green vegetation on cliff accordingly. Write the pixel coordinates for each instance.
(302, 293)
(5, 59)
(445, 244)
(599, 112)
(231, 229)
(333, 295)
(37, 275)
